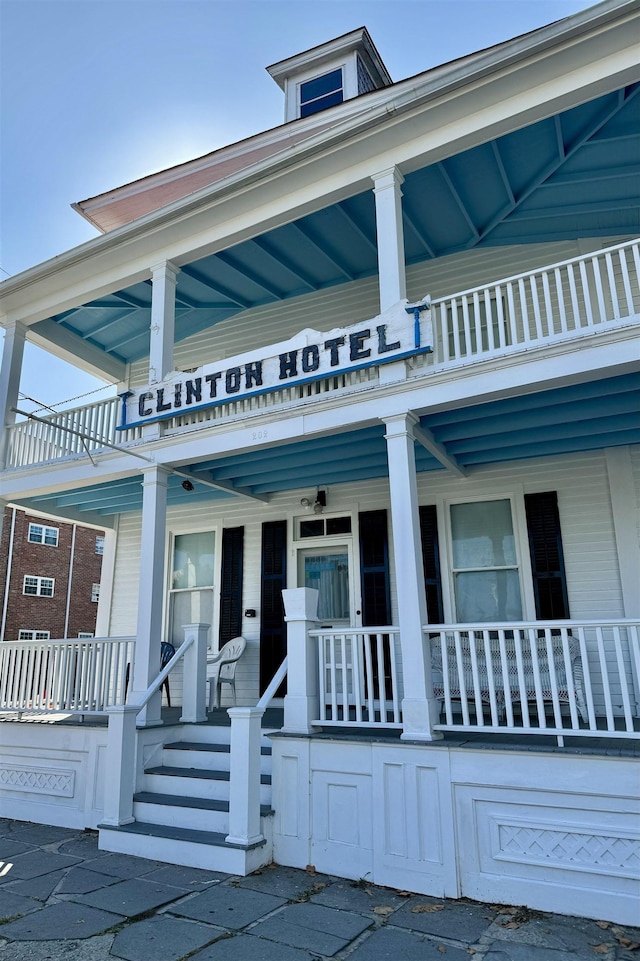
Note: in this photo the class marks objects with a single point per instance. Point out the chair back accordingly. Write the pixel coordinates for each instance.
(229, 655)
(166, 653)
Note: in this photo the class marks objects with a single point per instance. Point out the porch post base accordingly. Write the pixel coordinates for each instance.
(419, 716)
(299, 714)
(149, 715)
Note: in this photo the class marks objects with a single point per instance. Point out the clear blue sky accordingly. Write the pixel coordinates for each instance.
(96, 93)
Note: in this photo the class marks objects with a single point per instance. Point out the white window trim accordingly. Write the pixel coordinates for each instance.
(45, 529)
(100, 539)
(85, 635)
(40, 581)
(95, 593)
(44, 635)
(521, 542)
(217, 531)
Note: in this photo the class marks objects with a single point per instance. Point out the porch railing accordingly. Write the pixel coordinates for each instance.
(556, 677)
(570, 299)
(359, 670)
(71, 676)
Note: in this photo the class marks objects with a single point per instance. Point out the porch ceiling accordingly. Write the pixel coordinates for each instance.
(576, 174)
(587, 416)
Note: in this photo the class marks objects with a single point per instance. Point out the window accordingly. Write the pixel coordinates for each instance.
(99, 544)
(95, 593)
(191, 589)
(38, 586)
(34, 635)
(85, 634)
(486, 578)
(321, 92)
(39, 534)
(321, 526)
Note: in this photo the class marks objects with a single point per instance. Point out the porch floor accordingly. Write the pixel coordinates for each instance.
(273, 720)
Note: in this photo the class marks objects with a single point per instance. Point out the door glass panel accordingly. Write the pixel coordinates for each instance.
(328, 573)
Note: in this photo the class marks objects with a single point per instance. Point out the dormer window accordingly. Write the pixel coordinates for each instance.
(321, 92)
(330, 74)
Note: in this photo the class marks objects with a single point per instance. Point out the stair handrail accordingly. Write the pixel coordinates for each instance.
(273, 685)
(156, 684)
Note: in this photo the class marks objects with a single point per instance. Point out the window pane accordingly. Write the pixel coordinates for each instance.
(189, 607)
(193, 561)
(483, 535)
(321, 86)
(488, 596)
(329, 574)
(314, 528)
(35, 533)
(51, 536)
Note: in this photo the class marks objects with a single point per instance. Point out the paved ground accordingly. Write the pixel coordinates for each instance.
(61, 899)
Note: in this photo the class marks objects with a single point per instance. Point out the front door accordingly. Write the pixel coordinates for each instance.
(327, 569)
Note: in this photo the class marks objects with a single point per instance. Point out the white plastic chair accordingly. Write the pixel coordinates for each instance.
(221, 669)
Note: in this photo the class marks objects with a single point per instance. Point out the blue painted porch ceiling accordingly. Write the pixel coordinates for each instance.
(573, 175)
(582, 417)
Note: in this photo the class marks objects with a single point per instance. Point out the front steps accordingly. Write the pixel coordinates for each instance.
(182, 808)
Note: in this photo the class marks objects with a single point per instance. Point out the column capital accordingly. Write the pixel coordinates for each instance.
(165, 269)
(399, 425)
(16, 327)
(384, 179)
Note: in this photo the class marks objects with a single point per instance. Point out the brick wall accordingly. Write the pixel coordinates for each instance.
(26, 612)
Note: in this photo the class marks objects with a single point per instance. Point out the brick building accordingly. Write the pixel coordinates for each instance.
(49, 577)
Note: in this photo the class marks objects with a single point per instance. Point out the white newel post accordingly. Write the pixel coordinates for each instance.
(420, 710)
(302, 700)
(151, 591)
(120, 765)
(391, 268)
(194, 683)
(244, 782)
(10, 370)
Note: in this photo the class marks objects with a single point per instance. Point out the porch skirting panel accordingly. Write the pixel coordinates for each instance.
(555, 831)
(56, 777)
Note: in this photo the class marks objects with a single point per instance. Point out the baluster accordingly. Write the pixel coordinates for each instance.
(394, 678)
(493, 699)
(548, 307)
(553, 677)
(626, 282)
(506, 679)
(604, 669)
(533, 285)
(586, 293)
(622, 674)
(468, 346)
(560, 294)
(597, 276)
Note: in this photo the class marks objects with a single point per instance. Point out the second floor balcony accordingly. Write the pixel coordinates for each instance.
(578, 302)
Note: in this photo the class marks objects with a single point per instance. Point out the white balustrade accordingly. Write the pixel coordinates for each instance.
(359, 671)
(556, 677)
(568, 299)
(73, 676)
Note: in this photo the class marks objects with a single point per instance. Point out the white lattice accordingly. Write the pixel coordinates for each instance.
(38, 781)
(564, 848)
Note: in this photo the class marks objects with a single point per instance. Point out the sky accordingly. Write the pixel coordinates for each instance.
(97, 93)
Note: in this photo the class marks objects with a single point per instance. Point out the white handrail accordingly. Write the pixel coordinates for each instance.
(273, 685)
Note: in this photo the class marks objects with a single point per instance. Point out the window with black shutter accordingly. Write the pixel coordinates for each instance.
(273, 634)
(231, 584)
(547, 560)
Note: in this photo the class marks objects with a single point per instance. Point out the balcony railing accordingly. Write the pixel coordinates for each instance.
(71, 676)
(565, 678)
(568, 300)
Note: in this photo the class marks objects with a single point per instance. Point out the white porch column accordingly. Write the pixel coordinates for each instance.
(391, 268)
(194, 684)
(151, 591)
(164, 277)
(10, 371)
(420, 709)
(120, 765)
(301, 703)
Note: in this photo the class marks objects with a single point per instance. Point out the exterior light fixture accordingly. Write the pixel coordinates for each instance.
(320, 502)
(187, 485)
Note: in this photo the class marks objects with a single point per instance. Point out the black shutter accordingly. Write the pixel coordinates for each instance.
(547, 560)
(273, 633)
(374, 568)
(431, 563)
(231, 584)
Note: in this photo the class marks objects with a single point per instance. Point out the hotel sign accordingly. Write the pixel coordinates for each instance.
(402, 331)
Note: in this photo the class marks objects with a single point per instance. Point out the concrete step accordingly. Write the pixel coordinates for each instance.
(185, 846)
(201, 814)
(196, 782)
(208, 756)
